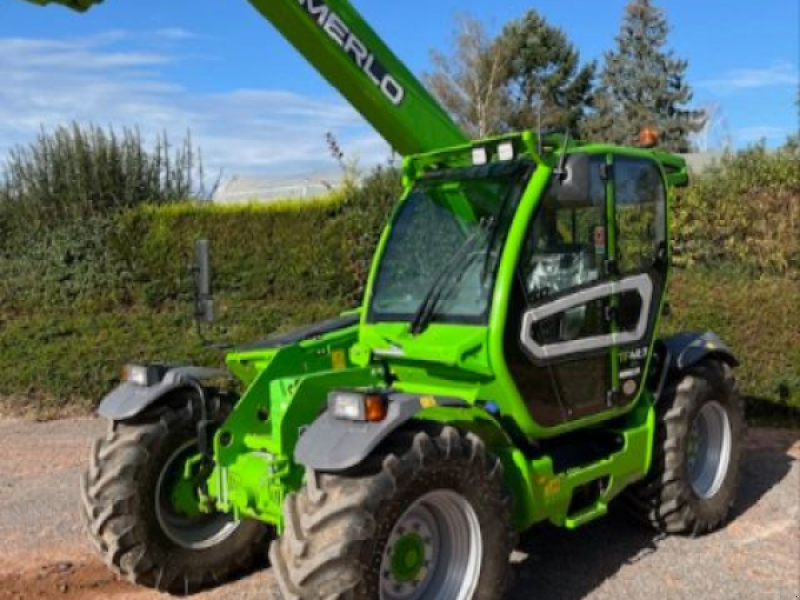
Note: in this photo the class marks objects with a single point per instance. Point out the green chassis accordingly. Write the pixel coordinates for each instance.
(288, 386)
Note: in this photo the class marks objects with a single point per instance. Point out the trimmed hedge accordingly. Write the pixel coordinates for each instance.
(80, 299)
(63, 361)
(759, 319)
(296, 252)
(743, 213)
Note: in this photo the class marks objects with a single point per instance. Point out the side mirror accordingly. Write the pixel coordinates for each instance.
(572, 185)
(203, 296)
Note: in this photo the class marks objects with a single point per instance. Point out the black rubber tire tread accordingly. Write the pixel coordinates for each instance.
(337, 526)
(665, 500)
(117, 500)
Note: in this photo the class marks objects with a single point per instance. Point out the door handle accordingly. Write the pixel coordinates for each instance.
(642, 284)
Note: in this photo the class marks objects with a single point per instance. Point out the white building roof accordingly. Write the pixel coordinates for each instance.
(700, 161)
(248, 188)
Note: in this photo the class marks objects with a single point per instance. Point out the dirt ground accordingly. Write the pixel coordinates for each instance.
(43, 554)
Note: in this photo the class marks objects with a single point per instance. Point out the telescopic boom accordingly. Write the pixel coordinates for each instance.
(337, 41)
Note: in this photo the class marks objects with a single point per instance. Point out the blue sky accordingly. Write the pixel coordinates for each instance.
(254, 105)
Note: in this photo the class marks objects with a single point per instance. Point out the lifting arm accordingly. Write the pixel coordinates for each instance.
(337, 41)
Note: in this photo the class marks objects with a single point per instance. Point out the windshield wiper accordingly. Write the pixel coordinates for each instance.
(426, 308)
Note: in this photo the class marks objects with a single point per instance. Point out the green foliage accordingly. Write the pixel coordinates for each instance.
(64, 362)
(543, 76)
(468, 80)
(87, 172)
(528, 74)
(744, 212)
(59, 266)
(94, 293)
(642, 85)
(113, 290)
(288, 252)
(759, 319)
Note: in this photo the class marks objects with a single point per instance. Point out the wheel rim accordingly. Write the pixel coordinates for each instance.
(709, 451)
(189, 532)
(434, 551)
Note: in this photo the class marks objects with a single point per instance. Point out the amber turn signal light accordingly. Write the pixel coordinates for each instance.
(649, 137)
(377, 408)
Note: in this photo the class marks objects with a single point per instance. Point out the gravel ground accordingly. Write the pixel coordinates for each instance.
(43, 554)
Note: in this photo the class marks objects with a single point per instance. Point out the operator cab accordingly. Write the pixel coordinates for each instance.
(578, 258)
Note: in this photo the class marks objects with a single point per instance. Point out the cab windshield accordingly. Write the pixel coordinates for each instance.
(445, 245)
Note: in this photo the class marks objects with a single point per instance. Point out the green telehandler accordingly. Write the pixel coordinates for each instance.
(505, 369)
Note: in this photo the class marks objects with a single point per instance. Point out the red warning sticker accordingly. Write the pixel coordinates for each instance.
(600, 237)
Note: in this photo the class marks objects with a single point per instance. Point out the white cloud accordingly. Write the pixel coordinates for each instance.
(176, 34)
(116, 78)
(778, 75)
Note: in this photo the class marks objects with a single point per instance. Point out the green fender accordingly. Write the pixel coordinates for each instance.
(516, 470)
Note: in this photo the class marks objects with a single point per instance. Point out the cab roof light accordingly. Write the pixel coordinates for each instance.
(505, 151)
(480, 156)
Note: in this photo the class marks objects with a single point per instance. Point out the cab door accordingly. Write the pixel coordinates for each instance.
(641, 262)
(591, 278)
(558, 347)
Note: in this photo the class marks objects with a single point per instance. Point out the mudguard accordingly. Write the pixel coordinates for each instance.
(130, 400)
(685, 350)
(334, 445)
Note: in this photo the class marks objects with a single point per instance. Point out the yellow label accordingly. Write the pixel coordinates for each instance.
(553, 487)
(339, 359)
(428, 402)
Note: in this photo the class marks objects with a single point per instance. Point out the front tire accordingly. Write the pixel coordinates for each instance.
(693, 481)
(433, 522)
(129, 517)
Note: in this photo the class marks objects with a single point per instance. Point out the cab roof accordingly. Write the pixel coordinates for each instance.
(545, 151)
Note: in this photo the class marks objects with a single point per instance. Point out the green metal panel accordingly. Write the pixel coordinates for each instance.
(540, 493)
(287, 389)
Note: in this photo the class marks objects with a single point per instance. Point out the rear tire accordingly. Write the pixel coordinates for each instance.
(693, 481)
(132, 527)
(437, 506)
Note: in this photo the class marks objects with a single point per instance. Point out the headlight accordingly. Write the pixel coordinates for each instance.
(349, 407)
(355, 406)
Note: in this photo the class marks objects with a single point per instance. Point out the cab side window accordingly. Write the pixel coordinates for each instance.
(566, 246)
(640, 200)
(566, 250)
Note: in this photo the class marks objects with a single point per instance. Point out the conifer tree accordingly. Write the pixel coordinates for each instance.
(545, 81)
(644, 84)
